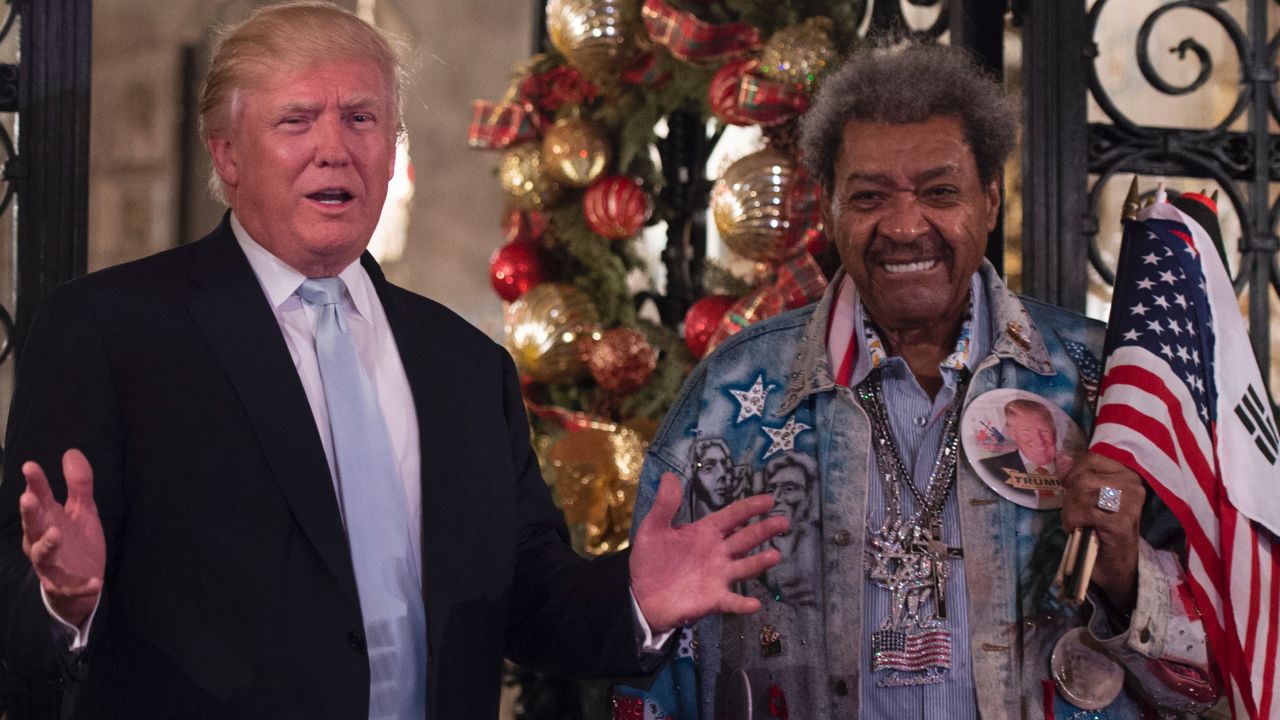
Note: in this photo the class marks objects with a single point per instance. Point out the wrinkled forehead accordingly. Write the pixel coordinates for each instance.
(917, 150)
(282, 81)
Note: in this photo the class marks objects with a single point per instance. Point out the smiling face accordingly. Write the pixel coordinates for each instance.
(307, 158)
(1034, 435)
(910, 218)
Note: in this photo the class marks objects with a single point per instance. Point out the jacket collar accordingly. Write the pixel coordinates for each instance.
(1014, 336)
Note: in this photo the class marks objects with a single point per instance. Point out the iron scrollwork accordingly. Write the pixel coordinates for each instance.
(1232, 159)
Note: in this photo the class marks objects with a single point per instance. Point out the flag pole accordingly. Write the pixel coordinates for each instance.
(1081, 552)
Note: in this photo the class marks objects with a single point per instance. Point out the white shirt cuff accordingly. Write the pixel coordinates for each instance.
(649, 645)
(77, 637)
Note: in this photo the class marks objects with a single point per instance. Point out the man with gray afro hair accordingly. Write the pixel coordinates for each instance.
(897, 86)
(929, 582)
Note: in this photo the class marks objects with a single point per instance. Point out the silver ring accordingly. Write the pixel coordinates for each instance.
(1109, 499)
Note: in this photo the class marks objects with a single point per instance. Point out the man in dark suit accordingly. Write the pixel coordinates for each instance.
(1030, 426)
(202, 549)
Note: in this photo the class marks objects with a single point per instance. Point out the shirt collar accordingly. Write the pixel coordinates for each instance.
(280, 281)
(1009, 333)
(854, 345)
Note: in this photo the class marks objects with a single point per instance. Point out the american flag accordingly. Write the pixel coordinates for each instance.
(1182, 402)
(911, 652)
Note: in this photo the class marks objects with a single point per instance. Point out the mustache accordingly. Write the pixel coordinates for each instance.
(923, 249)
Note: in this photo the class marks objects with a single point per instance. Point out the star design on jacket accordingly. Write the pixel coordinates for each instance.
(751, 401)
(784, 438)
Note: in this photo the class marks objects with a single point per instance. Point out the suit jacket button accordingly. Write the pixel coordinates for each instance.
(841, 688)
(356, 641)
(842, 537)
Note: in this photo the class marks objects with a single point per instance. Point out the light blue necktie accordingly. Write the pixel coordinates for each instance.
(377, 519)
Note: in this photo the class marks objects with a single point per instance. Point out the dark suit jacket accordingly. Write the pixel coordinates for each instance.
(229, 587)
(997, 463)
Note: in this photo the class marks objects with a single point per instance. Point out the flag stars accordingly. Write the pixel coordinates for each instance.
(1139, 309)
(1182, 353)
(1150, 259)
(1177, 329)
(1155, 326)
(1166, 351)
(1191, 328)
(1145, 284)
(1164, 304)
(1180, 299)
(1195, 357)
(1132, 335)
(1167, 276)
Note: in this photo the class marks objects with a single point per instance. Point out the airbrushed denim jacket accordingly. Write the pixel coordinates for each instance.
(1010, 552)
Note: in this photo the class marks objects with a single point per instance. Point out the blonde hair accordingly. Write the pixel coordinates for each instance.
(295, 34)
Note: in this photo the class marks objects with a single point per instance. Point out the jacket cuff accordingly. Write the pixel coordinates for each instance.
(1163, 648)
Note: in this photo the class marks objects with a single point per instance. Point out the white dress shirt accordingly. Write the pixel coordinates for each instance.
(378, 353)
(380, 357)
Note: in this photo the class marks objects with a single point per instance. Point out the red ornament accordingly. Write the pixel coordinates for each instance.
(514, 268)
(622, 360)
(524, 226)
(701, 321)
(615, 207)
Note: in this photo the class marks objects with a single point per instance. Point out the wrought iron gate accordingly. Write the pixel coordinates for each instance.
(44, 203)
(1064, 150)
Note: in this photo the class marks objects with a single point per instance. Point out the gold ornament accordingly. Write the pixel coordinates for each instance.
(575, 152)
(800, 54)
(755, 204)
(544, 328)
(596, 475)
(596, 36)
(525, 179)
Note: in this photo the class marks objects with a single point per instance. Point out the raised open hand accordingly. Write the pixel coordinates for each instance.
(680, 574)
(64, 542)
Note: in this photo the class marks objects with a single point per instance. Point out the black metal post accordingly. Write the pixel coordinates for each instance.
(684, 159)
(1259, 240)
(51, 170)
(1054, 241)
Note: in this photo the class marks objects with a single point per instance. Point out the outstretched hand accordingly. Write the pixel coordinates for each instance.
(64, 542)
(680, 574)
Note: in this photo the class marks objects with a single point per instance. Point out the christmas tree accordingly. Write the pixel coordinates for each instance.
(607, 133)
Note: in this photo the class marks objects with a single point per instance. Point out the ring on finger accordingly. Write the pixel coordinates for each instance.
(1109, 499)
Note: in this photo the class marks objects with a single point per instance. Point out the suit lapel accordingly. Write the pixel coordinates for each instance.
(423, 367)
(235, 318)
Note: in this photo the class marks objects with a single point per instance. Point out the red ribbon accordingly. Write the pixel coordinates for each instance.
(497, 126)
(740, 96)
(645, 72)
(570, 420)
(798, 282)
(691, 39)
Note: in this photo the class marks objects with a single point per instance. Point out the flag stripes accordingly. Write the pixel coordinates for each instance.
(1178, 406)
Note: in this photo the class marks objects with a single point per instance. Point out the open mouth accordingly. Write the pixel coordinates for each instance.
(909, 267)
(331, 197)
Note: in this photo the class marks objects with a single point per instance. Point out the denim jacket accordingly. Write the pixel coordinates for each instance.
(767, 398)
